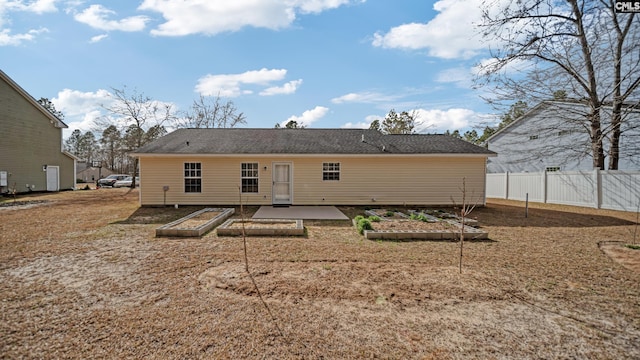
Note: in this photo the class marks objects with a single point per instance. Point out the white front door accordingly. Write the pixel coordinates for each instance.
(53, 178)
(281, 183)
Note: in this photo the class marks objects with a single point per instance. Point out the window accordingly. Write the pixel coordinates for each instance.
(192, 177)
(552, 168)
(564, 132)
(249, 177)
(533, 137)
(330, 171)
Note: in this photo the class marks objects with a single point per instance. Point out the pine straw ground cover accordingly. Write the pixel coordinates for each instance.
(82, 276)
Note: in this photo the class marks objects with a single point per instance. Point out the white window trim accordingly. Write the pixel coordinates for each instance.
(332, 170)
(185, 177)
(257, 177)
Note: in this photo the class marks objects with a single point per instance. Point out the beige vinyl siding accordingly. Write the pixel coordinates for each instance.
(28, 141)
(389, 180)
(220, 181)
(397, 180)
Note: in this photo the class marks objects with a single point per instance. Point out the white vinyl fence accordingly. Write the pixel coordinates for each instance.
(614, 190)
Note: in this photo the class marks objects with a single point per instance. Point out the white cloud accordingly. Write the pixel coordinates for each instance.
(357, 125)
(216, 16)
(308, 117)
(6, 38)
(288, 88)
(364, 97)
(229, 85)
(38, 6)
(317, 6)
(98, 38)
(71, 6)
(433, 120)
(74, 102)
(97, 16)
(436, 120)
(462, 77)
(7, 6)
(362, 124)
(81, 109)
(451, 34)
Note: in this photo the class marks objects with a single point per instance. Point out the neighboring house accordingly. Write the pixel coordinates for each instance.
(31, 152)
(309, 167)
(554, 136)
(87, 173)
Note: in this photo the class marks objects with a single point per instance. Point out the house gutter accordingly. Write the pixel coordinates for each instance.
(447, 155)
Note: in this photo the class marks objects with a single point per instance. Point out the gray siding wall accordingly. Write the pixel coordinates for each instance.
(28, 140)
(556, 136)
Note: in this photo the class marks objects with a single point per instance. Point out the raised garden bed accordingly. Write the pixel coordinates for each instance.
(469, 234)
(399, 226)
(439, 214)
(261, 227)
(386, 214)
(196, 224)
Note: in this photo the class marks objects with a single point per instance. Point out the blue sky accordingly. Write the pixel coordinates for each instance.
(323, 63)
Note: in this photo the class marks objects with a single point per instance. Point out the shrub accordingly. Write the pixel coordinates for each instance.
(374, 218)
(420, 217)
(390, 213)
(363, 225)
(358, 218)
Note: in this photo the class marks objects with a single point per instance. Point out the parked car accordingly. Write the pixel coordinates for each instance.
(126, 182)
(111, 179)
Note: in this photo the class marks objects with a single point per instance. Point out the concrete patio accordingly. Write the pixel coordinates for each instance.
(300, 212)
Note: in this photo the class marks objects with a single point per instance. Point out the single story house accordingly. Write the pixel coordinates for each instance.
(87, 173)
(32, 156)
(309, 167)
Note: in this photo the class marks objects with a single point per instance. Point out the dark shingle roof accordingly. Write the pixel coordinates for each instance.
(305, 141)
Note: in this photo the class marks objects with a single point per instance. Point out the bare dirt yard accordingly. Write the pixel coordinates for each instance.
(82, 276)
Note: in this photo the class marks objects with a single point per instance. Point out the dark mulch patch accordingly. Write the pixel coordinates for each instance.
(22, 203)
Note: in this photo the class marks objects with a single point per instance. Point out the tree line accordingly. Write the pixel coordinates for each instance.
(133, 120)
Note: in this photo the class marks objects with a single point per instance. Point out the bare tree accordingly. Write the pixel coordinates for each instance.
(211, 112)
(625, 83)
(136, 115)
(580, 49)
(465, 210)
(246, 266)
